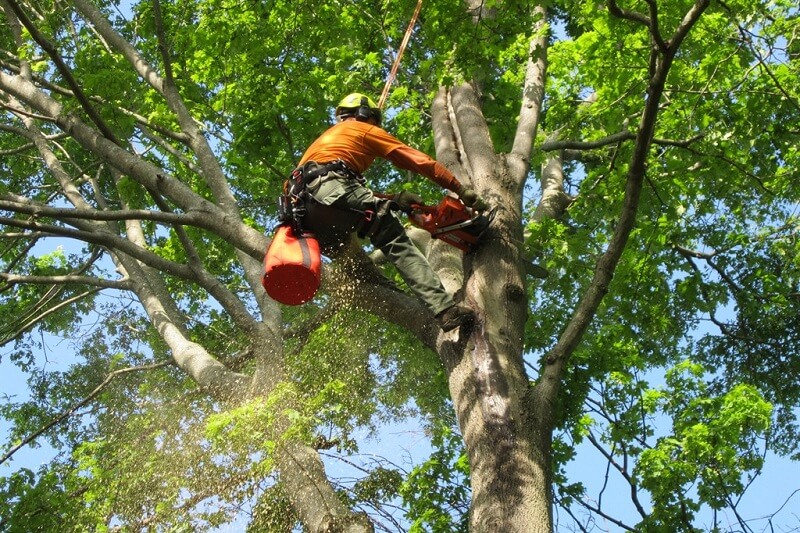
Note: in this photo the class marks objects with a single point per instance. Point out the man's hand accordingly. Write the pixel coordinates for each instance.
(471, 199)
(406, 199)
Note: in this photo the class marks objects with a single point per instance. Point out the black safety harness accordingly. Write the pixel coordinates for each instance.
(296, 203)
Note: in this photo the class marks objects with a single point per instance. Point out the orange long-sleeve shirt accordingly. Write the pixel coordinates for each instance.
(359, 143)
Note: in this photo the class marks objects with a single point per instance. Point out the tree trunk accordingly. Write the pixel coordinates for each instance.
(510, 469)
(509, 454)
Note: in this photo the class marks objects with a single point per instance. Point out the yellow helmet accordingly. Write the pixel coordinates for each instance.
(359, 106)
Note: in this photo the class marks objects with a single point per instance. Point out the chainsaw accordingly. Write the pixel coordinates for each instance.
(452, 222)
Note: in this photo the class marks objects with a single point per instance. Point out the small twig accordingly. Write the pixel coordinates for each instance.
(30, 320)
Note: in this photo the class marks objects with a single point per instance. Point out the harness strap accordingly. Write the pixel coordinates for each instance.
(338, 166)
(293, 204)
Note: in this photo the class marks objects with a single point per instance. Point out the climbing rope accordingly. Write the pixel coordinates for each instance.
(402, 49)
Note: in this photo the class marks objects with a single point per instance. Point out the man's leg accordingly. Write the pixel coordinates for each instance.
(390, 237)
(393, 241)
(395, 244)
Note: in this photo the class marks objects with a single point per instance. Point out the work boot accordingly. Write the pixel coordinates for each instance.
(454, 317)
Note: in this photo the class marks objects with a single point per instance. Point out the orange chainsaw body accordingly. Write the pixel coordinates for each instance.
(450, 221)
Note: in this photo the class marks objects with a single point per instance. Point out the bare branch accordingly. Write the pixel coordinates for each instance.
(14, 279)
(71, 410)
(16, 131)
(108, 240)
(617, 11)
(63, 91)
(61, 213)
(34, 239)
(21, 235)
(622, 470)
(596, 509)
(25, 113)
(747, 37)
(571, 514)
(679, 144)
(28, 321)
(697, 254)
(169, 148)
(616, 138)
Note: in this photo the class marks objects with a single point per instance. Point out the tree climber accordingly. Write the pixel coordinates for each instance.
(331, 171)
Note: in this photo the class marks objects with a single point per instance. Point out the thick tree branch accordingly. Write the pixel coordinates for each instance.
(211, 375)
(312, 496)
(212, 171)
(554, 200)
(445, 137)
(478, 150)
(532, 96)
(356, 281)
(229, 301)
(194, 273)
(57, 89)
(149, 286)
(16, 151)
(655, 31)
(19, 132)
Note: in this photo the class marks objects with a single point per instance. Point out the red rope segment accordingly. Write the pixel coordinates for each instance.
(402, 49)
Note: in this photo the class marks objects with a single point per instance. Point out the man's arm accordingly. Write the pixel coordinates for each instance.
(408, 158)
